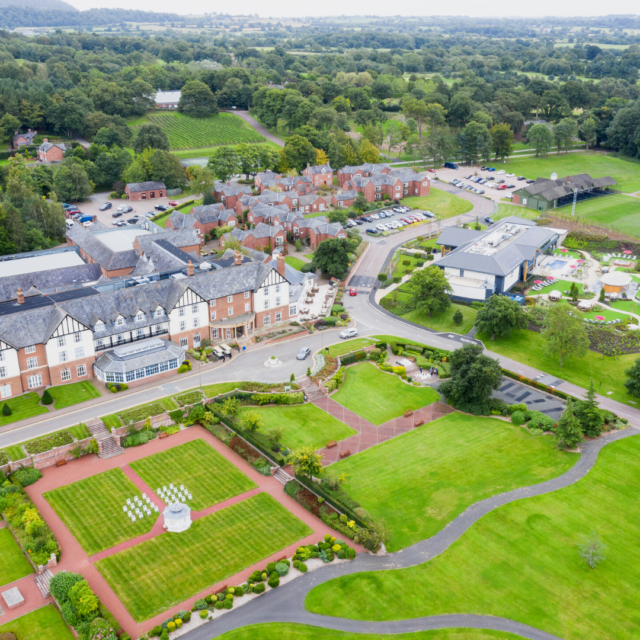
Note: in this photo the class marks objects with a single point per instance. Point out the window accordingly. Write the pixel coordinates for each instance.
(266, 304)
(65, 375)
(229, 298)
(196, 340)
(79, 352)
(1, 356)
(267, 320)
(424, 184)
(119, 322)
(140, 333)
(3, 372)
(278, 317)
(5, 391)
(230, 311)
(81, 370)
(183, 325)
(173, 364)
(278, 301)
(184, 342)
(164, 366)
(32, 363)
(131, 376)
(213, 315)
(212, 303)
(181, 311)
(120, 338)
(77, 337)
(34, 381)
(63, 356)
(214, 333)
(99, 342)
(194, 308)
(247, 307)
(152, 370)
(322, 207)
(293, 310)
(62, 341)
(277, 288)
(246, 295)
(99, 326)
(159, 312)
(196, 322)
(228, 334)
(397, 188)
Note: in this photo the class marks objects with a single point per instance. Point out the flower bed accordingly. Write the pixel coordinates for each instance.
(47, 443)
(190, 397)
(329, 368)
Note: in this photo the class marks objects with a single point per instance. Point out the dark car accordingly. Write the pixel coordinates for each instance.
(450, 165)
(160, 207)
(511, 186)
(366, 219)
(521, 178)
(483, 168)
(501, 181)
(358, 221)
(529, 181)
(488, 220)
(303, 353)
(373, 232)
(491, 168)
(116, 214)
(105, 206)
(133, 220)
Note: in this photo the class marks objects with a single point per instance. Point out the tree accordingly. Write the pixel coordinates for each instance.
(167, 168)
(83, 599)
(515, 120)
(592, 550)
(573, 291)
(568, 431)
(564, 333)
(230, 407)
(9, 125)
(589, 415)
(430, 290)
(377, 533)
(111, 164)
(150, 136)
(71, 182)
(109, 137)
(632, 382)
(368, 152)
(500, 316)
(458, 318)
(360, 202)
(419, 111)
(321, 157)
(338, 215)
(298, 152)
(588, 132)
(251, 420)
(6, 410)
(332, 257)
(474, 377)
(541, 137)
(475, 142)
(306, 462)
(373, 133)
(564, 133)
(197, 99)
(501, 140)
(224, 162)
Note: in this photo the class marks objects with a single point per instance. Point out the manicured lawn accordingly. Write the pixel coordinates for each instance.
(347, 346)
(505, 210)
(567, 254)
(45, 623)
(618, 212)
(304, 425)
(79, 432)
(216, 389)
(141, 412)
(92, 510)
(296, 263)
(558, 285)
(69, 394)
(423, 479)
(207, 475)
(444, 321)
(528, 546)
(377, 396)
(442, 203)
(15, 452)
(632, 306)
(529, 348)
(291, 631)
(571, 164)
(169, 568)
(403, 269)
(14, 565)
(22, 407)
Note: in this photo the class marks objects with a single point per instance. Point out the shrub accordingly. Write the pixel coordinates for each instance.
(46, 443)
(540, 421)
(517, 418)
(203, 614)
(227, 604)
(156, 631)
(46, 397)
(351, 553)
(183, 368)
(516, 407)
(27, 476)
(399, 371)
(171, 626)
(239, 592)
(165, 635)
(6, 410)
(302, 568)
(259, 588)
(282, 569)
(274, 580)
(200, 604)
(218, 604)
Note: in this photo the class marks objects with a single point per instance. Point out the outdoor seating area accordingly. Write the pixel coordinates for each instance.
(317, 302)
(538, 285)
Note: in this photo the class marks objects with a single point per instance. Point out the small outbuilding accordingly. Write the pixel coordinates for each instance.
(585, 305)
(177, 517)
(615, 282)
(555, 296)
(146, 190)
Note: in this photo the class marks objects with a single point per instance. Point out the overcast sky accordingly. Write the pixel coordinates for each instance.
(497, 8)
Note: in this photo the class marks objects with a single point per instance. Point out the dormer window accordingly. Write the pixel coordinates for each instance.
(139, 316)
(120, 322)
(159, 312)
(99, 326)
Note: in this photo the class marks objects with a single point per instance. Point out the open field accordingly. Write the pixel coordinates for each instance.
(185, 154)
(442, 203)
(505, 210)
(22, 407)
(92, 510)
(377, 396)
(169, 568)
(69, 394)
(421, 480)
(304, 425)
(616, 212)
(208, 476)
(528, 546)
(187, 132)
(14, 564)
(296, 263)
(45, 623)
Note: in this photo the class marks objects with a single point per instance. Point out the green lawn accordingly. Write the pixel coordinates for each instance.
(216, 389)
(69, 394)
(15, 452)
(291, 631)
(207, 475)
(632, 306)
(403, 269)
(505, 210)
(14, 564)
(617, 212)
(441, 321)
(92, 510)
(22, 407)
(347, 346)
(442, 203)
(524, 548)
(564, 253)
(304, 425)
(529, 348)
(558, 285)
(169, 568)
(296, 263)
(377, 396)
(420, 481)
(45, 623)
(140, 412)
(596, 165)
(205, 152)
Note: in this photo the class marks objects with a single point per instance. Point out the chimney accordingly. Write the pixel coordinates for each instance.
(308, 165)
(46, 140)
(190, 269)
(228, 183)
(237, 260)
(20, 296)
(29, 131)
(280, 263)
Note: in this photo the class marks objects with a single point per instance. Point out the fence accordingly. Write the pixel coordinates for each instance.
(172, 193)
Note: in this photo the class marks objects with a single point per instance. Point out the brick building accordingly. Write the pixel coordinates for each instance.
(203, 219)
(321, 175)
(23, 139)
(145, 190)
(52, 152)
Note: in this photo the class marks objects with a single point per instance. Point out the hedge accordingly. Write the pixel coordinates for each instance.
(49, 442)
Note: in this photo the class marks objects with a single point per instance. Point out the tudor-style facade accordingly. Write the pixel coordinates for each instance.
(70, 352)
(188, 320)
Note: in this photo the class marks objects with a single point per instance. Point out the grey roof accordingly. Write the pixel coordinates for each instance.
(455, 236)
(146, 186)
(292, 275)
(168, 97)
(554, 189)
(103, 255)
(261, 230)
(367, 167)
(228, 282)
(45, 146)
(158, 351)
(346, 195)
(320, 168)
(163, 256)
(178, 238)
(254, 254)
(231, 189)
(30, 135)
(310, 198)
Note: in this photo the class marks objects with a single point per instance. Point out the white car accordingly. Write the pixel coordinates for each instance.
(501, 172)
(381, 227)
(349, 333)
(511, 175)
(87, 224)
(390, 226)
(122, 207)
(374, 216)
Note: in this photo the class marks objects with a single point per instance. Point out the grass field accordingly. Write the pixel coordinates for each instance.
(597, 165)
(15, 452)
(291, 631)
(347, 346)
(529, 348)
(526, 547)
(403, 269)
(169, 568)
(632, 306)
(14, 564)
(45, 623)
(187, 132)
(377, 396)
(558, 285)
(505, 210)
(618, 212)
(442, 203)
(296, 263)
(140, 412)
(92, 510)
(420, 481)
(216, 389)
(67, 395)
(207, 475)
(304, 425)
(22, 407)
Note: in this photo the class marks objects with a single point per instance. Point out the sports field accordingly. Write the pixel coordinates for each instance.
(617, 212)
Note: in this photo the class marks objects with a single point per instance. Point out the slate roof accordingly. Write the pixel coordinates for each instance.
(146, 186)
(320, 168)
(367, 167)
(553, 189)
(455, 236)
(29, 136)
(103, 255)
(346, 195)
(45, 146)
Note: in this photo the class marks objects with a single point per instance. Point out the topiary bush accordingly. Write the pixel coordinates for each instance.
(6, 410)
(517, 418)
(282, 569)
(46, 397)
(259, 588)
(218, 604)
(540, 421)
(204, 614)
(200, 604)
(274, 580)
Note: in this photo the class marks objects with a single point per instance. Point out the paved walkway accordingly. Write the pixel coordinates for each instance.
(32, 599)
(74, 558)
(244, 115)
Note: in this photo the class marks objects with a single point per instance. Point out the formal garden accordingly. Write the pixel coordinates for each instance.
(45, 623)
(14, 565)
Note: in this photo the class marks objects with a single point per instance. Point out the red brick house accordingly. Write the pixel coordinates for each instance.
(311, 203)
(344, 199)
(146, 190)
(229, 194)
(262, 237)
(51, 152)
(396, 184)
(324, 232)
(321, 175)
(22, 139)
(365, 170)
(203, 219)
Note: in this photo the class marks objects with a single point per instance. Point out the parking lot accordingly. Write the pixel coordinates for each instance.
(362, 228)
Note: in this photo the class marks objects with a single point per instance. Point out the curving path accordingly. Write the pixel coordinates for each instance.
(286, 604)
(261, 129)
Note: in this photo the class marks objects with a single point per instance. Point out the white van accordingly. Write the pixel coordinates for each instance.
(70, 223)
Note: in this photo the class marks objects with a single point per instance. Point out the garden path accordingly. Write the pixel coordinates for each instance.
(32, 599)
(75, 559)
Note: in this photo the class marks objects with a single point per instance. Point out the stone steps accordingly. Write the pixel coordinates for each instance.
(109, 448)
(42, 582)
(282, 476)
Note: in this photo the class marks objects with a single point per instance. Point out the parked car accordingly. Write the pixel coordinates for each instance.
(66, 205)
(172, 203)
(521, 178)
(105, 206)
(511, 186)
(159, 207)
(469, 177)
(502, 172)
(398, 209)
(134, 220)
(119, 223)
(490, 178)
(359, 221)
(501, 187)
(87, 224)
(450, 165)
(373, 232)
(501, 181)
(122, 207)
(488, 220)
(429, 214)
(69, 223)
(511, 175)
(116, 214)
(481, 192)
(491, 168)
(381, 227)
(375, 216)
(351, 224)
(353, 292)
(483, 168)
(82, 219)
(127, 209)
(431, 170)
(367, 218)
(303, 353)
(529, 181)
(349, 333)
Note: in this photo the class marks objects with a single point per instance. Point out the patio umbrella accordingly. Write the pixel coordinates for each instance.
(537, 282)
(572, 266)
(550, 278)
(579, 260)
(564, 250)
(627, 252)
(599, 318)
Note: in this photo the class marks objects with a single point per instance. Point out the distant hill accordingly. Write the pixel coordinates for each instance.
(45, 5)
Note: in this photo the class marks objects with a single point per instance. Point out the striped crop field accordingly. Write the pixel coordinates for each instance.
(187, 132)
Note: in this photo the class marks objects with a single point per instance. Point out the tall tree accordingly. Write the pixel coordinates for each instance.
(632, 383)
(541, 137)
(564, 333)
(568, 431)
(197, 99)
(299, 151)
(475, 142)
(224, 162)
(430, 289)
(564, 133)
(9, 125)
(500, 317)
(332, 257)
(589, 415)
(150, 136)
(501, 140)
(72, 183)
(588, 132)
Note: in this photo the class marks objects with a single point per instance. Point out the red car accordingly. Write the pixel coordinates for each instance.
(353, 292)
(431, 170)
(501, 187)
(173, 203)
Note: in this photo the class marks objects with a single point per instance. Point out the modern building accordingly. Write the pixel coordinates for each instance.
(167, 99)
(146, 190)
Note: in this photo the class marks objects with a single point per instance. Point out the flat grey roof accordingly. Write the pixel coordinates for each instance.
(40, 263)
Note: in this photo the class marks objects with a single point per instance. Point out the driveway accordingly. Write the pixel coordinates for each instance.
(491, 194)
(244, 115)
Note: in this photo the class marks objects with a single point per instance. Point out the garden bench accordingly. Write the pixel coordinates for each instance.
(345, 454)
(163, 434)
(408, 413)
(221, 590)
(419, 423)
(331, 444)
(61, 462)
